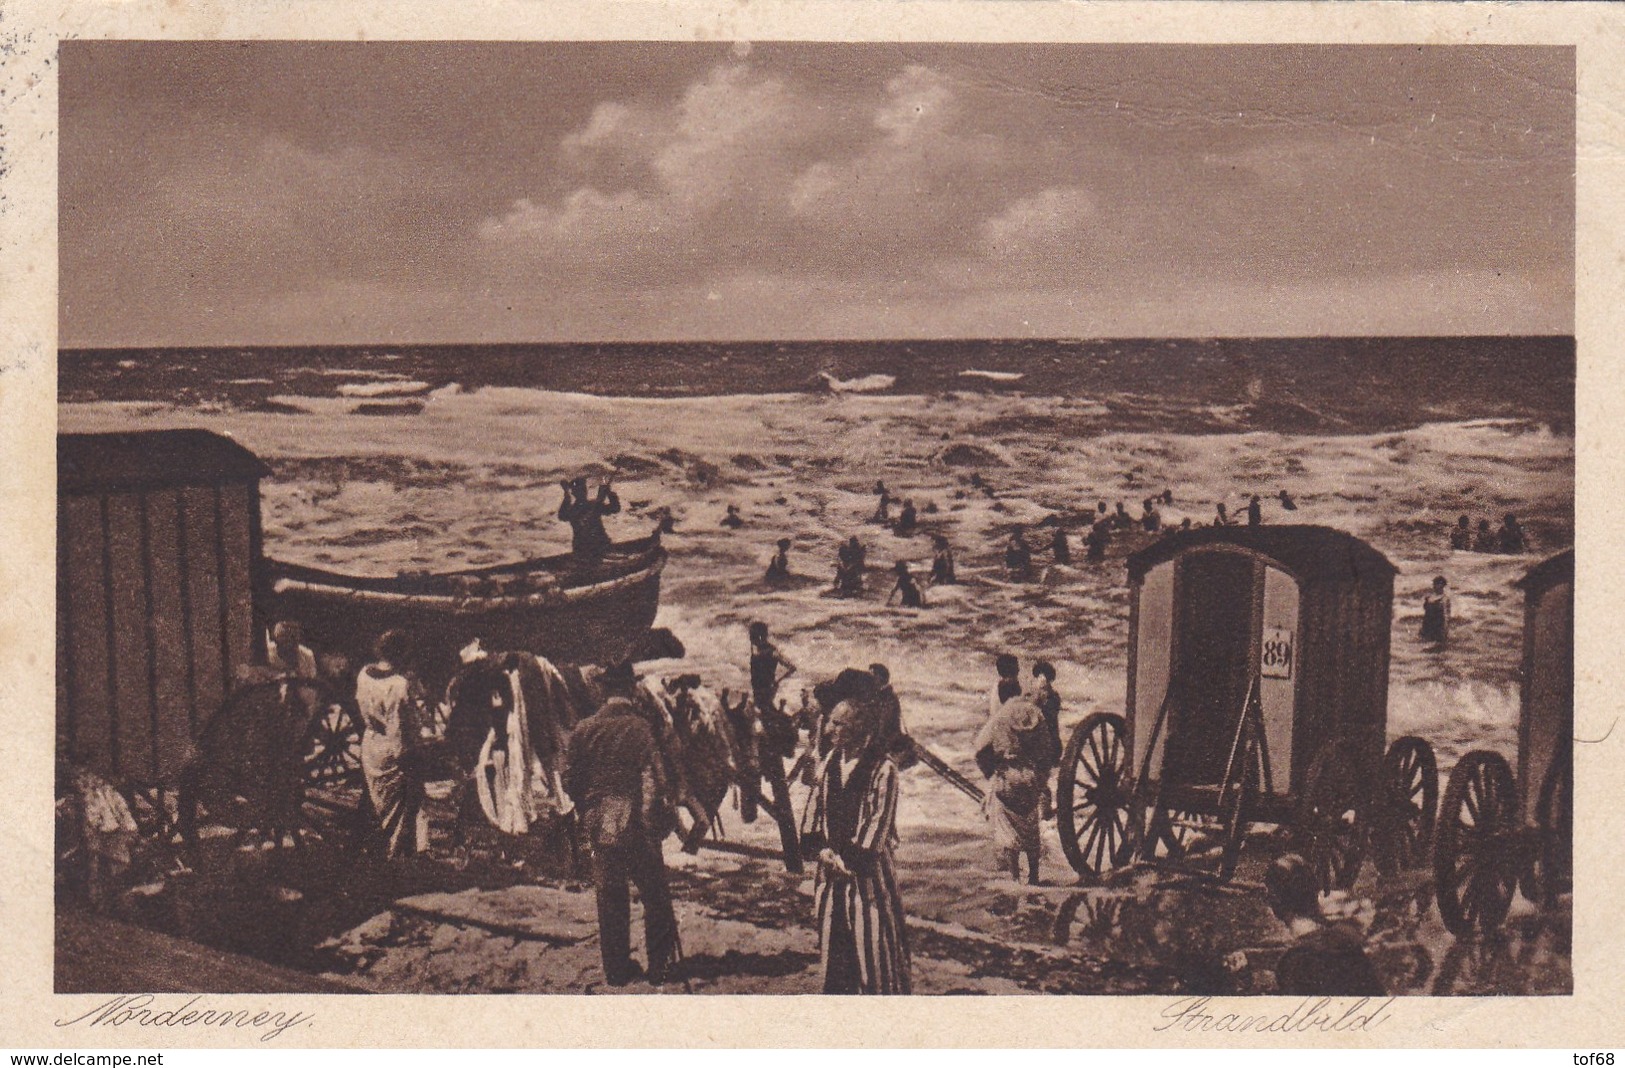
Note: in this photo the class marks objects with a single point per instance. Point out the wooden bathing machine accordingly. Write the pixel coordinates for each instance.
(1257, 693)
(164, 594)
(158, 536)
(1546, 698)
(1301, 612)
(1498, 832)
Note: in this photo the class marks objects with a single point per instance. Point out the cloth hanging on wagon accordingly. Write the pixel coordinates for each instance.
(515, 788)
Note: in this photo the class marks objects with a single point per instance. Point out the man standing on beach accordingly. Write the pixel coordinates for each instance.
(613, 774)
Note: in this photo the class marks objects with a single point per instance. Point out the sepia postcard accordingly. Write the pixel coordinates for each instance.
(1094, 524)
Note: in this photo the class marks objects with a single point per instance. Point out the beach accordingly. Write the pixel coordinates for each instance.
(465, 476)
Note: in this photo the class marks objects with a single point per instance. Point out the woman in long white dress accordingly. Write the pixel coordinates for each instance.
(390, 703)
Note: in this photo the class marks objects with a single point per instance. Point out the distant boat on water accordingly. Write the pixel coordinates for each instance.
(864, 384)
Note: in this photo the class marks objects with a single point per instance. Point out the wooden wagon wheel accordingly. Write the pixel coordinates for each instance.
(1094, 795)
(250, 770)
(1402, 829)
(166, 822)
(1476, 858)
(1329, 825)
(1554, 817)
(333, 745)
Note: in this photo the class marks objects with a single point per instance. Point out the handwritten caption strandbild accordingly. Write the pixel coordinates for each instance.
(1312, 1015)
(147, 1010)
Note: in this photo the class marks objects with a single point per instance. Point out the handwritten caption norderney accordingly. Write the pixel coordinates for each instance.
(148, 1010)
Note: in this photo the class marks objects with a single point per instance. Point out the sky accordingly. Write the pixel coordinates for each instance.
(326, 193)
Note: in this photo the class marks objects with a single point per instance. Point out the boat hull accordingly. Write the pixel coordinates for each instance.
(600, 615)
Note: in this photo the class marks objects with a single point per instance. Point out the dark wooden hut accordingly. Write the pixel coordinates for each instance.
(158, 539)
(1301, 612)
(1546, 705)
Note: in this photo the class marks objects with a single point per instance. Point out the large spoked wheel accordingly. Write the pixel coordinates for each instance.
(1554, 815)
(1169, 833)
(249, 774)
(332, 753)
(1475, 860)
(1403, 830)
(1094, 797)
(1329, 826)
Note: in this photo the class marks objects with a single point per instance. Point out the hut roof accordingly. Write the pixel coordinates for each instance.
(1310, 553)
(1549, 572)
(151, 459)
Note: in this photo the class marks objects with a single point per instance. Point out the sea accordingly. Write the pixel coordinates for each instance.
(1290, 384)
(393, 458)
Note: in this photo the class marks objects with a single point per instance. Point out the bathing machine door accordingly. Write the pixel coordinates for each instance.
(1279, 649)
(1151, 637)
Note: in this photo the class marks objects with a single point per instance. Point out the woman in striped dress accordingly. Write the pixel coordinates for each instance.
(851, 821)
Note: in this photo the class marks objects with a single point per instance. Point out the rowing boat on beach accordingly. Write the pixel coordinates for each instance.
(558, 607)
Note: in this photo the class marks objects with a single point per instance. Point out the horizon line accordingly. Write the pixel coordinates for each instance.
(1570, 335)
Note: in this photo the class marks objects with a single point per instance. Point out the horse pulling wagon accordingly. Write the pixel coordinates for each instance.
(1496, 832)
(1257, 694)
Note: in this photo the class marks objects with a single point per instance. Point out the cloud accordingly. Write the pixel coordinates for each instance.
(659, 187)
(1046, 223)
(746, 171)
(799, 190)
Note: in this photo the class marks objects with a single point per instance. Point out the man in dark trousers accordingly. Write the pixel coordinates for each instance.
(778, 738)
(613, 774)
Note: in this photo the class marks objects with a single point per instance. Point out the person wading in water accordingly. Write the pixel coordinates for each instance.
(906, 588)
(942, 562)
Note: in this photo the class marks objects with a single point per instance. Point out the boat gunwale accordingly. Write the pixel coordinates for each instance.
(476, 604)
(626, 563)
